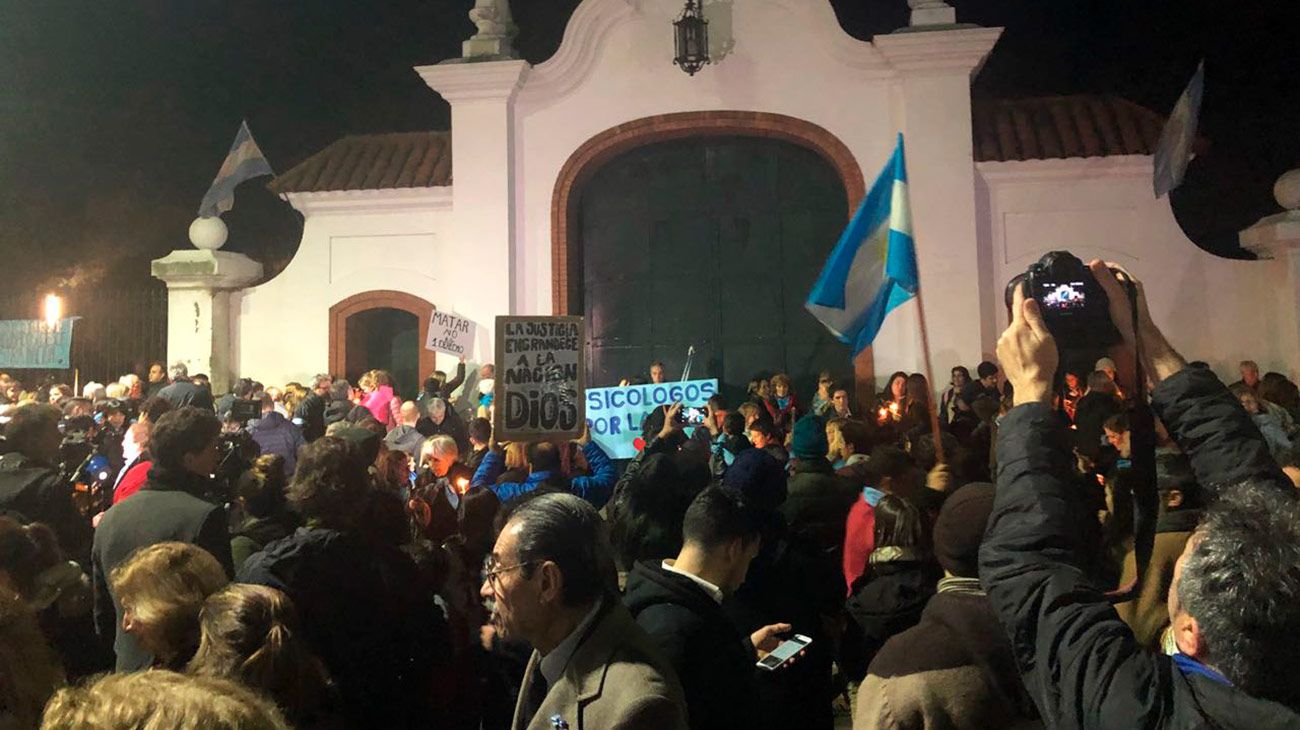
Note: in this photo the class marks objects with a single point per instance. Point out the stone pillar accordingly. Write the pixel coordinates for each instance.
(482, 99)
(199, 283)
(932, 108)
(1277, 237)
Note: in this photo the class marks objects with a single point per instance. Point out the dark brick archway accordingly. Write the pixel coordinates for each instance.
(566, 244)
(381, 299)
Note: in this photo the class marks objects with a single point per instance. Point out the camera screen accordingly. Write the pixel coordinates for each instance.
(1064, 296)
(693, 416)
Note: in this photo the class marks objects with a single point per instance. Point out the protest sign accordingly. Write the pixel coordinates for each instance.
(33, 343)
(450, 333)
(541, 372)
(615, 414)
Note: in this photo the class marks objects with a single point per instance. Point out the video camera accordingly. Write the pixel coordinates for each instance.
(238, 450)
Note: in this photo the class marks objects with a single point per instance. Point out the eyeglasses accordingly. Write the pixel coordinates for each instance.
(492, 571)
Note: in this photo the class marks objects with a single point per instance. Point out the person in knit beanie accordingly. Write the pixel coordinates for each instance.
(809, 439)
(960, 529)
(818, 500)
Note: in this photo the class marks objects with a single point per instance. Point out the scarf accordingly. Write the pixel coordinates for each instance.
(957, 584)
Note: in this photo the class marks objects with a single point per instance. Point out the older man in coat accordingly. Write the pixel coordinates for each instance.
(551, 582)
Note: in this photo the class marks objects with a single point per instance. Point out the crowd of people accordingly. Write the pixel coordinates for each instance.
(325, 555)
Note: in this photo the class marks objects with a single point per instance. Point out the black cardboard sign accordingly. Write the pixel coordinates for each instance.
(540, 378)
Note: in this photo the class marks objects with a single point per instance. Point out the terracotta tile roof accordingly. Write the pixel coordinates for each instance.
(1062, 126)
(373, 162)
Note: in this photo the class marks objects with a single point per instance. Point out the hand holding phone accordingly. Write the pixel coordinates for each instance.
(784, 653)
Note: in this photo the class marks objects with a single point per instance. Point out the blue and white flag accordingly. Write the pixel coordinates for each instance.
(873, 267)
(1175, 149)
(245, 160)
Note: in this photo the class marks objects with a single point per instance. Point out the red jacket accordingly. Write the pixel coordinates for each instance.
(859, 540)
(132, 480)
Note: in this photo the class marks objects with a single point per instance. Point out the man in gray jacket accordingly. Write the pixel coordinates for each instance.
(551, 579)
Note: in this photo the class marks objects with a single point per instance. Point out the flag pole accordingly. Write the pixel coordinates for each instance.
(929, 376)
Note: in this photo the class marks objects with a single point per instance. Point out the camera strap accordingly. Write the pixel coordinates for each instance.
(1142, 446)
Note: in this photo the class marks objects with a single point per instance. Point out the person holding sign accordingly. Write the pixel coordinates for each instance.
(437, 386)
(544, 466)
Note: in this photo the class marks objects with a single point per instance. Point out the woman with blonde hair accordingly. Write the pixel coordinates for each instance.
(250, 634)
(160, 590)
(161, 699)
(516, 463)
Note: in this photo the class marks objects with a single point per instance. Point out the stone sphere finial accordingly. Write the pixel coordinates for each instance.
(208, 233)
(1287, 190)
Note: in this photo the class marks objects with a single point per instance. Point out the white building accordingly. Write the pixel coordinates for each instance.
(715, 199)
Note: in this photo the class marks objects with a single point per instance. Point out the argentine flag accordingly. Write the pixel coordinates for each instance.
(245, 160)
(873, 267)
(1174, 152)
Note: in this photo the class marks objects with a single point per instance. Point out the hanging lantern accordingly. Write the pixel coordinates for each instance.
(692, 35)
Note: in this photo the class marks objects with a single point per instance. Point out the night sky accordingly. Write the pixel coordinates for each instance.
(116, 114)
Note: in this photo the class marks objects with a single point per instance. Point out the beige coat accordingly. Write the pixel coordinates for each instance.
(615, 681)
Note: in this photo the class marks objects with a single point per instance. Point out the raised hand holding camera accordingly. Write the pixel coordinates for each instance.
(1027, 352)
(1158, 357)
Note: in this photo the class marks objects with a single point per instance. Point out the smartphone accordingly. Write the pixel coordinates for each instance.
(784, 652)
(694, 416)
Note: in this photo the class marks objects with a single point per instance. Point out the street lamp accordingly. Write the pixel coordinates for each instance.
(691, 32)
(52, 309)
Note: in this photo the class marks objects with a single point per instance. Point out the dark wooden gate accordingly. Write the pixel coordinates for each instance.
(713, 242)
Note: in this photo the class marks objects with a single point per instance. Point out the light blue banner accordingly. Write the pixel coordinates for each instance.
(31, 343)
(615, 414)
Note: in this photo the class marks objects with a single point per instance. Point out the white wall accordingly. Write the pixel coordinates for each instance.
(790, 57)
(352, 243)
(1213, 309)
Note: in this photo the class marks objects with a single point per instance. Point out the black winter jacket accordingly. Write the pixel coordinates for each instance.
(35, 493)
(817, 503)
(886, 600)
(367, 614)
(451, 426)
(713, 661)
(310, 416)
(1080, 662)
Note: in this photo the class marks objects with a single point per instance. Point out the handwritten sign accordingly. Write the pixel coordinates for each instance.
(541, 373)
(450, 333)
(31, 343)
(615, 414)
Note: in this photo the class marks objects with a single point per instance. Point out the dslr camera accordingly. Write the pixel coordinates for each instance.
(1074, 307)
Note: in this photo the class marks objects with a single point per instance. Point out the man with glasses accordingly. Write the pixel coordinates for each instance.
(550, 582)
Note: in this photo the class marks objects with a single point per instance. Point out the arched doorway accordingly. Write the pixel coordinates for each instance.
(711, 243)
(802, 146)
(383, 330)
